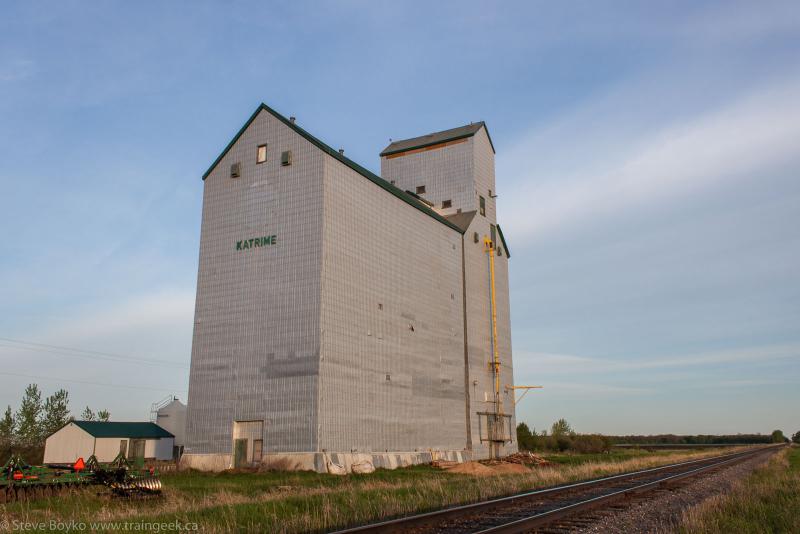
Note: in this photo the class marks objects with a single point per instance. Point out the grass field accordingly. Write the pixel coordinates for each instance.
(301, 501)
(767, 501)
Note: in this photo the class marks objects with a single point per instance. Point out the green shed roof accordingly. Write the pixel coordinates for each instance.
(372, 177)
(101, 429)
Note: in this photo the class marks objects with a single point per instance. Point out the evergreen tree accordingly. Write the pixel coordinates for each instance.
(29, 428)
(524, 437)
(56, 412)
(87, 415)
(103, 415)
(7, 427)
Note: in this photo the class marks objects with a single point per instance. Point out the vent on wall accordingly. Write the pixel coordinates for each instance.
(236, 170)
(286, 158)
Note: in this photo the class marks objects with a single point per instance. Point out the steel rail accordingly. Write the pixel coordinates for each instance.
(438, 516)
(540, 519)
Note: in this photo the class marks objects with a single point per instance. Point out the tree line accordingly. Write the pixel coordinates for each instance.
(23, 431)
(701, 439)
(562, 437)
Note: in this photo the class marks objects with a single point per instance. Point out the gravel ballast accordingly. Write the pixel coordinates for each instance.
(661, 511)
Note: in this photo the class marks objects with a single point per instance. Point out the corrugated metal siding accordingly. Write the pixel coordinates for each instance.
(377, 251)
(446, 174)
(463, 173)
(255, 352)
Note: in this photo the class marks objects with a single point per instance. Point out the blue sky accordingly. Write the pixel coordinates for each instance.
(647, 160)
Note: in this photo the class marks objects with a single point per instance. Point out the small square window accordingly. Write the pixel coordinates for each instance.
(482, 203)
(286, 158)
(236, 170)
(261, 154)
(380, 306)
(475, 237)
(420, 189)
(447, 204)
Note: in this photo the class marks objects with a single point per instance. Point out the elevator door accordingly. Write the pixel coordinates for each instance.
(239, 453)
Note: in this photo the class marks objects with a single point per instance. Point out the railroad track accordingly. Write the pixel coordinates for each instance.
(559, 508)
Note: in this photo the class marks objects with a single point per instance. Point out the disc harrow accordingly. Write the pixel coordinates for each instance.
(20, 481)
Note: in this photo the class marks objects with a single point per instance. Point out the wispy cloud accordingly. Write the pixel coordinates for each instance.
(752, 133)
(16, 69)
(732, 26)
(531, 363)
(744, 383)
(163, 310)
(139, 343)
(592, 389)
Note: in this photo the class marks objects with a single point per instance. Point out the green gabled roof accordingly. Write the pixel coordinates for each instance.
(101, 429)
(435, 138)
(374, 178)
(503, 239)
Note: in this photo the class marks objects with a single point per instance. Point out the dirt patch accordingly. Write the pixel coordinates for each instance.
(472, 468)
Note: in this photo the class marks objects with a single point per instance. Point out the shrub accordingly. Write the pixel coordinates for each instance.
(777, 436)
(591, 443)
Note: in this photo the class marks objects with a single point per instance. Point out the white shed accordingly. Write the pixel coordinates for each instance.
(81, 439)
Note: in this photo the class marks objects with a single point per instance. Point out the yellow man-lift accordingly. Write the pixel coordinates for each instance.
(496, 429)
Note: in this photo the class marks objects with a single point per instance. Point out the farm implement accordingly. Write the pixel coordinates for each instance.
(20, 481)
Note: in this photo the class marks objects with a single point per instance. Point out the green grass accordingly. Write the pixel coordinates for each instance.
(570, 458)
(794, 459)
(767, 501)
(271, 501)
(301, 501)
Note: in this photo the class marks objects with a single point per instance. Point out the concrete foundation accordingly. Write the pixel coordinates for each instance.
(320, 461)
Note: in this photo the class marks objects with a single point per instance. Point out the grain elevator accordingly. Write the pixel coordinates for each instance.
(344, 317)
